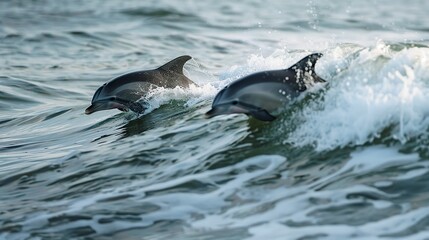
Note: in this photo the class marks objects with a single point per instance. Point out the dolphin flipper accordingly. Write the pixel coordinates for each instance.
(133, 106)
(136, 107)
(262, 115)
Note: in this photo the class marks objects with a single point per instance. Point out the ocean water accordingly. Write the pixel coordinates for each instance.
(348, 161)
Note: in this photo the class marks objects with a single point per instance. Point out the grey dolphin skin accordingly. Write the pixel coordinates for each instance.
(123, 92)
(264, 94)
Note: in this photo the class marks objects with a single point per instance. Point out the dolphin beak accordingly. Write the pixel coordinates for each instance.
(95, 107)
(89, 110)
(217, 110)
(210, 113)
(104, 105)
(225, 109)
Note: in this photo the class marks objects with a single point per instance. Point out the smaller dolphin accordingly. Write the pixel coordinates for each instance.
(264, 94)
(123, 92)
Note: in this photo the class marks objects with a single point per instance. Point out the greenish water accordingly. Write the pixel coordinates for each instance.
(349, 161)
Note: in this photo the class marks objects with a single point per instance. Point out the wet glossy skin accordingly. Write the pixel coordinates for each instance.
(125, 91)
(264, 94)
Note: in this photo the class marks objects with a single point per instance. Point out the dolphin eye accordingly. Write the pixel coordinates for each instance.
(235, 102)
(112, 98)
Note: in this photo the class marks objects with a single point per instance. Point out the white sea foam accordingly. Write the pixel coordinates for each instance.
(206, 86)
(376, 157)
(263, 211)
(172, 206)
(269, 212)
(279, 59)
(374, 230)
(380, 88)
(193, 95)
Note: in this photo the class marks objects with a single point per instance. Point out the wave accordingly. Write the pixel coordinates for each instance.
(254, 194)
(374, 94)
(164, 13)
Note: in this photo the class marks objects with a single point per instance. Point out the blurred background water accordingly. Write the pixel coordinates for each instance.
(349, 161)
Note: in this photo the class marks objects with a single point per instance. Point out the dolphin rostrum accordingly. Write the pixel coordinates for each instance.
(124, 92)
(264, 94)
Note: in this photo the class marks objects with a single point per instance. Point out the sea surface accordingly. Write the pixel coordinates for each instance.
(350, 160)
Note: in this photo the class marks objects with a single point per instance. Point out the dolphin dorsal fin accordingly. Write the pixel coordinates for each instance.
(176, 65)
(307, 65)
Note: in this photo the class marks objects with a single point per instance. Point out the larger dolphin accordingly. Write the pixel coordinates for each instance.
(264, 94)
(123, 92)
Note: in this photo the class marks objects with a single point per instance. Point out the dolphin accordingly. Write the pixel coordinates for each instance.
(264, 94)
(124, 92)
